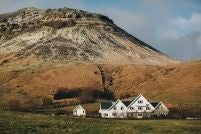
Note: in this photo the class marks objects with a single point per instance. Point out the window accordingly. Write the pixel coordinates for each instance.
(140, 114)
(147, 108)
(105, 114)
(114, 114)
(140, 101)
(122, 108)
(131, 108)
(121, 114)
(139, 108)
(115, 108)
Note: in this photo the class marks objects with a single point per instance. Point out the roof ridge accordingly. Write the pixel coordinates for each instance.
(135, 99)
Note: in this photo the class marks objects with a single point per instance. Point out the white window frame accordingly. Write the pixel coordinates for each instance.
(105, 114)
(139, 108)
(114, 114)
(140, 114)
(115, 108)
(140, 101)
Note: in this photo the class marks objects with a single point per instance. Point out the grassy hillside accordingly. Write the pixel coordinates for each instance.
(11, 122)
(173, 84)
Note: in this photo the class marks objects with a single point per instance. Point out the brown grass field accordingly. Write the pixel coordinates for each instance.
(173, 84)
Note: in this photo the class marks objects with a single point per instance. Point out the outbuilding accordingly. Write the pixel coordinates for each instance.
(79, 111)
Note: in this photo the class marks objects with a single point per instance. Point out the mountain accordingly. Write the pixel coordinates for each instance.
(42, 51)
(36, 36)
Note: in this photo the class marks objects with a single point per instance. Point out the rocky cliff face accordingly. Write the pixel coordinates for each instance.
(35, 36)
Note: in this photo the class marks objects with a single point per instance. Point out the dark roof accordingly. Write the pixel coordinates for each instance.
(126, 103)
(154, 104)
(78, 106)
(106, 105)
(129, 99)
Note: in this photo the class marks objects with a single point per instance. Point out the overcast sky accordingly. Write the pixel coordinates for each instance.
(171, 26)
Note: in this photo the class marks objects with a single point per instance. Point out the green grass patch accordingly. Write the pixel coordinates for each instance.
(23, 123)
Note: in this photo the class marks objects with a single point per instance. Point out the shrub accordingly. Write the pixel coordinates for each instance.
(46, 100)
(3, 106)
(63, 93)
(14, 104)
(84, 94)
(61, 112)
(107, 94)
(184, 111)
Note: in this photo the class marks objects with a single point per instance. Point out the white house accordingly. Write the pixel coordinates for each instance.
(138, 107)
(79, 111)
(113, 109)
(160, 109)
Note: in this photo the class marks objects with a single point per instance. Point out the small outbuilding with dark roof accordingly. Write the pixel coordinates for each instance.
(79, 111)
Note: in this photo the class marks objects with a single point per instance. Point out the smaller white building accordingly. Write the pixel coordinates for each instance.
(79, 111)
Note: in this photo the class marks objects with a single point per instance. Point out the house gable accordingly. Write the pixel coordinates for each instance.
(79, 111)
(134, 100)
(114, 104)
(161, 106)
(140, 104)
(79, 107)
(118, 104)
(118, 110)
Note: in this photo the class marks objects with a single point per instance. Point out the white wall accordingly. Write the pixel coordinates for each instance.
(79, 112)
(144, 105)
(141, 102)
(120, 113)
(116, 111)
(104, 113)
(161, 110)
